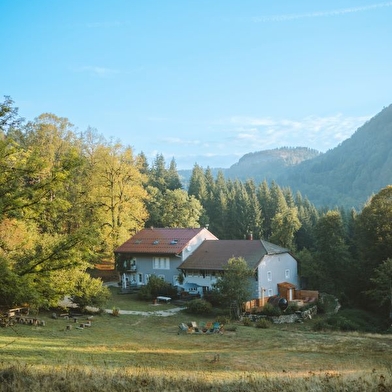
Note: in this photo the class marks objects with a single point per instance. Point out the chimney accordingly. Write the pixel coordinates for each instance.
(249, 236)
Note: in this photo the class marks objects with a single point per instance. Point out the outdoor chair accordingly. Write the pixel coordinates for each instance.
(216, 326)
(183, 328)
(195, 327)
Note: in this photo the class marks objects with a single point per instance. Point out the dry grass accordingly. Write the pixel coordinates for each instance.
(136, 353)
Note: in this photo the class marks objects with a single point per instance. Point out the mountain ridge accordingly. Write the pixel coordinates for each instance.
(344, 176)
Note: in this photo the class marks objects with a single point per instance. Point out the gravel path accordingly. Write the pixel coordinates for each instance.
(161, 313)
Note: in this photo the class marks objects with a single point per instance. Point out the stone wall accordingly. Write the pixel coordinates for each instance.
(296, 317)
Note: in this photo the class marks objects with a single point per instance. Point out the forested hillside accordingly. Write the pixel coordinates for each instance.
(269, 164)
(345, 176)
(350, 173)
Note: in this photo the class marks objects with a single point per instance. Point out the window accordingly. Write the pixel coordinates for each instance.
(147, 277)
(269, 276)
(270, 292)
(140, 277)
(287, 274)
(161, 276)
(161, 263)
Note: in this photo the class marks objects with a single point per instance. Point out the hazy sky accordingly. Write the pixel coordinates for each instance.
(201, 81)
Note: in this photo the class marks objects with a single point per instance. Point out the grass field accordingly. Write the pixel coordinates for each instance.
(139, 353)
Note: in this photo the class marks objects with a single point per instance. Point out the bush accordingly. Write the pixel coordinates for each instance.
(155, 287)
(88, 291)
(336, 323)
(223, 320)
(247, 321)
(199, 306)
(231, 328)
(342, 323)
(320, 325)
(271, 310)
(292, 308)
(213, 297)
(327, 304)
(262, 323)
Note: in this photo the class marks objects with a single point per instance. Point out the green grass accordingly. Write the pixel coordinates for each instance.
(128, 353)
(131, 302)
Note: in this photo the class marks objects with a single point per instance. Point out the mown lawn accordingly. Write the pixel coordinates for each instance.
(128, 353)
(130, 302)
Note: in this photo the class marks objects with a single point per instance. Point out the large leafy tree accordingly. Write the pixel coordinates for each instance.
(180, 210)
(35, 240)
(116, 195)
(53, 141)
(235, 286)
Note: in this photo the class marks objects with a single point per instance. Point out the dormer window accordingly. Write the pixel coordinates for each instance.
(156, 242)
(174, 242)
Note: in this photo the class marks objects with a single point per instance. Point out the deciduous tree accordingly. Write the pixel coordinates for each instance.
(235, 286)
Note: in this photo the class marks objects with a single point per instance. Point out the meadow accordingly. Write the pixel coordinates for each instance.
(147, 353)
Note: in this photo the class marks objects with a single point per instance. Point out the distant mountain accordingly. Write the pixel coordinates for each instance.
(261, 165)
(269, 164)
(350, 173)
(345, 176)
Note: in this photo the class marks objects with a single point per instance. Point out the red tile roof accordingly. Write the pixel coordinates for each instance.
(160, 240)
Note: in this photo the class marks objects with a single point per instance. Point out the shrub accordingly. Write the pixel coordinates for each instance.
(213, 297)
(199, 306)
(88, 291)
(336, 323)
(247, 321)
(327, 304)
(271, 310)
(262, 323)
(292, 308)
(320, 325)
(231, 328)
(342, 323)
(223, 320)
(155, 287)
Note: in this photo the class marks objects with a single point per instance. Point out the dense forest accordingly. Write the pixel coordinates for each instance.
(68, 199)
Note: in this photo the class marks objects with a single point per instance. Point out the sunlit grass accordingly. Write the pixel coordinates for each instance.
(130, 302)
(117, 353)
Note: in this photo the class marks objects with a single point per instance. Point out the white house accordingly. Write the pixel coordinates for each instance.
(200, 257)
(275, 269)
(157, 251)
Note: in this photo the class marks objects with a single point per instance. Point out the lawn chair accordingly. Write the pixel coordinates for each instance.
(195, 327)
(183, 328)
(217, 327)
(203, 327)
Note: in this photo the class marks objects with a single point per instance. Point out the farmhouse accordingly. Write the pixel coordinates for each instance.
(200, 258)
(275, 270)
(157, 251)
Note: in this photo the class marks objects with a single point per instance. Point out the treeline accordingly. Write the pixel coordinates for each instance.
(68, 199)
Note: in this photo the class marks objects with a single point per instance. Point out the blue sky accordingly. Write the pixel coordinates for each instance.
(201, 81)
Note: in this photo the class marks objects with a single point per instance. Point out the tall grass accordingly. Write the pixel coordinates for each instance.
(136, 353)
